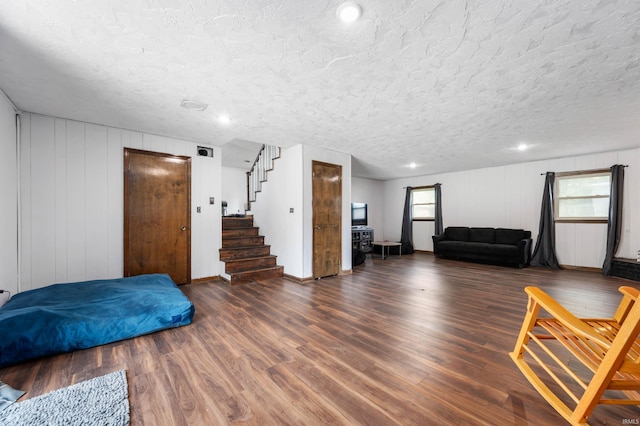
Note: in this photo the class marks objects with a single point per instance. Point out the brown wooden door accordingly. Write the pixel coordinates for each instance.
(327, 219)
(157, 214)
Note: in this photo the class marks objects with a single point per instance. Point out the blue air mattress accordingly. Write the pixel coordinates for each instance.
(66, 317)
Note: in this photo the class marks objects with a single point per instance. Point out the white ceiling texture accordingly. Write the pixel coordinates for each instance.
(447, 84)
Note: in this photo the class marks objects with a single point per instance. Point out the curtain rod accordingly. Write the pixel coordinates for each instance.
(422, 186)
(581, 171)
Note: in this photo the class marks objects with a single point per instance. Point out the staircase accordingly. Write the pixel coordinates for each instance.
(246, 258)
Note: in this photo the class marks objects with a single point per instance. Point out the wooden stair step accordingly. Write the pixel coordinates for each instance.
(256, 275)
(246, 257)
(243, 252)
(237, 222)
(248, 241)
(240, 232)
(249, 263)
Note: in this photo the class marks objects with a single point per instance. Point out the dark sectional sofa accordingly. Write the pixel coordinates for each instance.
(494, 245)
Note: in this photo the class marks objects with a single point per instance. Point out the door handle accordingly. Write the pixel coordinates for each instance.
(183, 228)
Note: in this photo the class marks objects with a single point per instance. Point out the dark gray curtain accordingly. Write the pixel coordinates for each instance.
(438, 215)
(406, 237)
(614, 224)
(545, 252)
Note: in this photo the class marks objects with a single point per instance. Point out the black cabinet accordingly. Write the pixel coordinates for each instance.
(362, 238)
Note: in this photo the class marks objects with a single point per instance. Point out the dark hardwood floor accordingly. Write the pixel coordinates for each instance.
(410, 340)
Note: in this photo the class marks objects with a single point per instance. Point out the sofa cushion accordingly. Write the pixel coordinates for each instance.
(477, 248)
(457, 233)
(464, 247)
(456, 246)
(449, 245)
(509, 236)
(482, 235)
(506, 250)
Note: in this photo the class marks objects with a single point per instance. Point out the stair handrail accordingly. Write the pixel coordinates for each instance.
(258, 172)
(250, 175)
(253, 166)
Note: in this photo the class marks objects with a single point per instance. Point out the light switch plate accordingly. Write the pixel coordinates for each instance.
(212, 200)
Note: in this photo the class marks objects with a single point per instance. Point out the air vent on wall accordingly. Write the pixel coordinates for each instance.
(204, 151)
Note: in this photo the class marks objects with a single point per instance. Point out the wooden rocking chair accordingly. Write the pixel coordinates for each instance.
(609, 348)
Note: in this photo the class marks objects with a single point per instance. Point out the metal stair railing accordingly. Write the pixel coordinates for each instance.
(258, 173)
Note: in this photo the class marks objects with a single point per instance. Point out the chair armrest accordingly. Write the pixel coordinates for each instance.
(630, 291)
(561, 314)
(524, 248)
(438, 238)
(630, 298)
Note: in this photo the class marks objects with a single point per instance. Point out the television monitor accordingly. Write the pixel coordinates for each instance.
(359, 214)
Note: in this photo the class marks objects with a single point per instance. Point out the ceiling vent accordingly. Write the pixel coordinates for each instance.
(193, 105)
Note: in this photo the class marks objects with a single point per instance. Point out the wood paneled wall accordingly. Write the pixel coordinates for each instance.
(510, 197)
(71, 210)
(9, 197)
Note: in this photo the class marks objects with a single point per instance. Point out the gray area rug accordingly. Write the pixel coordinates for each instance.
(100, 401)
(8, 395)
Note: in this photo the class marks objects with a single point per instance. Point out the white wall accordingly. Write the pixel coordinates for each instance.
(271, 211)
(510, 197)
(371, 192)
(9, 197)
(234, 189)
(289, 186)
(71, 185)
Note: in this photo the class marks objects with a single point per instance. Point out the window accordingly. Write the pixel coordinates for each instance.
(582, 196)
(423, 203)
(359, 214)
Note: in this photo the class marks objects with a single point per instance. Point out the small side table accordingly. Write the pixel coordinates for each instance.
(388, 244)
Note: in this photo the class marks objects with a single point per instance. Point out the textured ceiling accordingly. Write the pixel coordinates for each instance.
(449, 85)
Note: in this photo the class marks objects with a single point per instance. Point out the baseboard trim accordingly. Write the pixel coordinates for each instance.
(581, 268)
(297, 279)
(207, 279)
(307, 279)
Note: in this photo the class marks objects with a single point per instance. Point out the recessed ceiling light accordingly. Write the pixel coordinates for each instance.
(522, 147)
(413, 165)
(349, 12)
(224, 119)
(193, 105)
